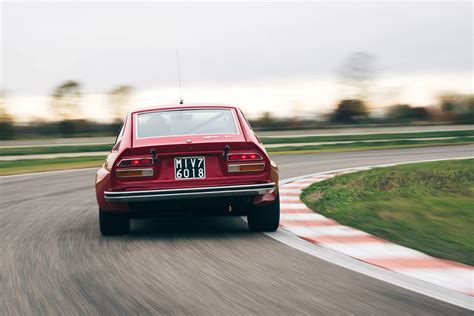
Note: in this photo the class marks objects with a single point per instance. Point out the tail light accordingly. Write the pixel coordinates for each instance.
(244, 157)
(241, 164)
(130, 168)
(250, 167)
(135, 162)
(130, 173)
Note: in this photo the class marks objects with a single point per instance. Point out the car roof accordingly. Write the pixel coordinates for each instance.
(184, 106)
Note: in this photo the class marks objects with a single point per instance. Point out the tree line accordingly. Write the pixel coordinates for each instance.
(356, 81)
(65, 105)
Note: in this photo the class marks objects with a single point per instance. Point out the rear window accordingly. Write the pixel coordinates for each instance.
(186, 122)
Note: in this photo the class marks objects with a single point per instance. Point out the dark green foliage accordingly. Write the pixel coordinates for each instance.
(7, 129)
(458, 108)
(350, 111)
(406, 113)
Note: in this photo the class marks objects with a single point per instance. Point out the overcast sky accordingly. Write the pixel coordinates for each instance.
(103, 44)
(108, 43)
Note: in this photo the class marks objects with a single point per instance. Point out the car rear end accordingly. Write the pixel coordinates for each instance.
(200, 160)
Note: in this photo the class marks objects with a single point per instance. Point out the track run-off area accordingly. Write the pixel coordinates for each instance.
(54, 260)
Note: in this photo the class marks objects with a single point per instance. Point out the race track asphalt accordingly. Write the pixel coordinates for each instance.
(54, 261)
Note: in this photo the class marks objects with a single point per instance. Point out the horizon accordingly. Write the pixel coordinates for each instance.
(287, 65)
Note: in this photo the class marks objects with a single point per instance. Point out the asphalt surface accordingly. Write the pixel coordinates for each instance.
(54, 261)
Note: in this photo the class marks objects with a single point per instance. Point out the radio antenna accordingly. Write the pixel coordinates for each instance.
(181, 101)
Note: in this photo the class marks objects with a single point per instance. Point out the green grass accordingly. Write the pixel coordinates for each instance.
(47, 164)
(40, 165)
(54, 149)
(424, 206)
(280, 140)
(369, 146)
(388, 136)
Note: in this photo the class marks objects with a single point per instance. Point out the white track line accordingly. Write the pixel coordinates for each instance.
(293, 206)
(283, 190)
(318, 231)
(395, 278)
(453, 278)
(289, 198)
(302, 217)
(380, 250)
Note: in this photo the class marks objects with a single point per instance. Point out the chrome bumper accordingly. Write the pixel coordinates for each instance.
(188, 193)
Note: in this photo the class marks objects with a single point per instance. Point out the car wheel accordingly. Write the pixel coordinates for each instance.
(265, 218)
(113, 223)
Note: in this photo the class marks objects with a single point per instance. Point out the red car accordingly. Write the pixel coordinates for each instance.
(179, 160)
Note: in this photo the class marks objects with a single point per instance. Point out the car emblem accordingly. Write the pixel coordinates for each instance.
(189, 141)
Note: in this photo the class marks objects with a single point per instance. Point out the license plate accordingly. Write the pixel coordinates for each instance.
(189, 168)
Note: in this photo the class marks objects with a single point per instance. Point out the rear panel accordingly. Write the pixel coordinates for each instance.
(213, 147)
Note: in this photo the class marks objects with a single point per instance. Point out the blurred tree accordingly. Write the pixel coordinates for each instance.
(7, 128)
(119, 98)
(420, 113)
(350, 111)
(458, 108)
(266, 120)
(406, 113)
(357, 74)
(65, 100)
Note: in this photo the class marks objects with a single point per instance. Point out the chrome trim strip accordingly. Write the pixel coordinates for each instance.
(155, 195)
(262, 185)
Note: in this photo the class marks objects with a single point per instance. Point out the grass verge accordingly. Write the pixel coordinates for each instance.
(424, 206)
(53, 150)
(369, 146)
(40, 165)
(280, 140)
(388, 136)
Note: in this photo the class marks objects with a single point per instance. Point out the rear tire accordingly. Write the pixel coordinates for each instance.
(113, 223)
(265, 218)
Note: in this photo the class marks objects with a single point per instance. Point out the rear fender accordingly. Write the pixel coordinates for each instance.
(103, 183)
(268, 198)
